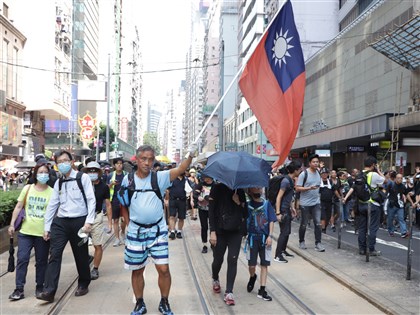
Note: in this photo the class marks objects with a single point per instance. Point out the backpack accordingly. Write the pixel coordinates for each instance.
(126, 192)
(78, 179)
(257, 215)
(274, 188)
(363, 190)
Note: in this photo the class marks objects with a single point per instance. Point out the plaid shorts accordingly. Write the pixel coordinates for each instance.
(142, 243)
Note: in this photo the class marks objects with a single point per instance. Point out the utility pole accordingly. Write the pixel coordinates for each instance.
(222, 89)
(108, 103)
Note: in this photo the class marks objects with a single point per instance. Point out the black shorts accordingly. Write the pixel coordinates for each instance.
(326, 210)
(258, 249)
(116, 211)
(178, 206)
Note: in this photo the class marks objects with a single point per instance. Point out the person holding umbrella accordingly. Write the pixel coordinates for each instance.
(34, 198)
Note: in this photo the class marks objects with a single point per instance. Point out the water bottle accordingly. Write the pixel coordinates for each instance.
(267, 253)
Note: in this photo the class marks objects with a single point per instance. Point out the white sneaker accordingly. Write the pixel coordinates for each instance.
(117, 242)
(302, 245)
(319, 247)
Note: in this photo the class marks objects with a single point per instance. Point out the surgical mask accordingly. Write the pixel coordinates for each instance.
(42, 178)
(93, 176)
(64, 168)
(256, 195)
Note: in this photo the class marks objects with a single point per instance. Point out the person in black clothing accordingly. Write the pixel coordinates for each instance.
(93, 169)
(326, 191)
(285, 210)
(396, 200)
(201, 199)
(227, 217)
(177, 205)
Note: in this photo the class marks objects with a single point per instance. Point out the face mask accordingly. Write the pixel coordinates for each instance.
(42, 178)
(93, 176)
(64, 168)
(256, 195)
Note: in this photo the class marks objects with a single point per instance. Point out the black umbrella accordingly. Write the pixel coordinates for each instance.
(11, 266)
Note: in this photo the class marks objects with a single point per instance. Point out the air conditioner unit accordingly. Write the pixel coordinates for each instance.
(411, 109)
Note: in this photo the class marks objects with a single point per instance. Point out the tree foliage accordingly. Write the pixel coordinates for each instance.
(102, 139)
(151, 139)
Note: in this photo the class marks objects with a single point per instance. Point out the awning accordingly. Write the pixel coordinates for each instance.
(402, 45)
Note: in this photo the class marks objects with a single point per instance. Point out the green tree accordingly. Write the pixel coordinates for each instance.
(102, 139)
(151, 139)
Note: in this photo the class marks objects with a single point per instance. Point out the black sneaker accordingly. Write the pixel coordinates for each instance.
(204, 250)
(164, 307)
(251, 283)
(280, 259)
(264, 295)
(287, 254)
(178, 234)
(333, 228)
(172, 235)
(38, 290)
(140, 308)
(17, 295)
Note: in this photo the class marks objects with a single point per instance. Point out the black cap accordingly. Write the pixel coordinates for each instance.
(39, 156)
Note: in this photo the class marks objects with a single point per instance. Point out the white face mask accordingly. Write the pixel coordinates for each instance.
(93, 176)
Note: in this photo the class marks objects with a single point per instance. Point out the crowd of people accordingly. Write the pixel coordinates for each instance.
(147, 207)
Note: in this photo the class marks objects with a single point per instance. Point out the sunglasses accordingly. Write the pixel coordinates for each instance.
(92, 170)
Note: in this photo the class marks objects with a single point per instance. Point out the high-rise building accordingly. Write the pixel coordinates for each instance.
(153, 118)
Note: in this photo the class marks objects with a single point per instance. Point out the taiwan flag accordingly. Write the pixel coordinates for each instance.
(273, 82)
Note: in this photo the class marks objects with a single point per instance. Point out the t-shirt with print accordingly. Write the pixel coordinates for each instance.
(146, 207)
(35, 208)
(204, 193)
(259, 219)
(310, 197)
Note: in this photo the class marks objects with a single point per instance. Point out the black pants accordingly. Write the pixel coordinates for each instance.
(204, 222)
(285, 230)
(231, 241)
(62, 231)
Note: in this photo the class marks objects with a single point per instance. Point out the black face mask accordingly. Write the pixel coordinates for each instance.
(256, 195)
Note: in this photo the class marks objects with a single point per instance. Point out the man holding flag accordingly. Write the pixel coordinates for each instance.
(273, 82)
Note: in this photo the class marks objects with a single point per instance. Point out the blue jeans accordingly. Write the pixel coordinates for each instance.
(392, 211)
(25, 245)
(375, 212)
(315, 211)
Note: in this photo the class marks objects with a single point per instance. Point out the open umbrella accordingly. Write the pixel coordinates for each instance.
(163, 158)
(238, 169)
(11, 265)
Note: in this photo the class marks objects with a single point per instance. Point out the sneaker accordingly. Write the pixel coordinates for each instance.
(38, 291)
(319, 247)
(164, 307)
(391, 234)
(216, 286)
(264, 295)
(333, 228)
(17, 295)
(404, 235)
(302, 245)
(280, 259)
(172, 235)
(178, 234)
(229, 299)
(140, 308)
(375, 253)
(94, 274)
(117, 242)
(251, 283)
(205, 249)
(287, 254)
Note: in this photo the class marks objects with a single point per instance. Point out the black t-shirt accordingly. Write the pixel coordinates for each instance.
(119, 179)
(177, 190)
(101, 193)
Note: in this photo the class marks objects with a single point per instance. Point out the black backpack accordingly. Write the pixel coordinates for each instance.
(78, 179)
(126, 193)
(361, 187)
(274, 188)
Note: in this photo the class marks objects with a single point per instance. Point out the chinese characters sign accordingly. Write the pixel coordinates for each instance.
(87, 125)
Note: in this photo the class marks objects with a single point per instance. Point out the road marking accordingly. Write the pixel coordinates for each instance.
(380, 241)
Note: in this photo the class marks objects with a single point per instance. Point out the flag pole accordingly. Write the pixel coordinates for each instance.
(237, 74)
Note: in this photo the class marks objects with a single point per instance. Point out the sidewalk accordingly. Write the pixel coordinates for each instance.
(380, 281)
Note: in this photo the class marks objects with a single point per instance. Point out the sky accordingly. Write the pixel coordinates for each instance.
(164, 27)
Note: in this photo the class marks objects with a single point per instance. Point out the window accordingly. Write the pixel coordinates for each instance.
(15, 73)
(5, 57)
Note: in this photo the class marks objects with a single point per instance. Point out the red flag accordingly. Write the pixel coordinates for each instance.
(273, 82)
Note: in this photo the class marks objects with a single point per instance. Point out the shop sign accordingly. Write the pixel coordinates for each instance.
(87, 125)
(385, 144)
(355, 148)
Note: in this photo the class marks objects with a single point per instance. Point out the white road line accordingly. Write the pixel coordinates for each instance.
(380, 241)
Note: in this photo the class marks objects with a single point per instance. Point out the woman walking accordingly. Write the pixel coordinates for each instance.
(34, 199)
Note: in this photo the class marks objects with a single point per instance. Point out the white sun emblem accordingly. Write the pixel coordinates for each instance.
(281, 47)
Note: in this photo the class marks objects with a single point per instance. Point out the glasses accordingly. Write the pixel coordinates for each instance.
(63, 161)
(92, 170)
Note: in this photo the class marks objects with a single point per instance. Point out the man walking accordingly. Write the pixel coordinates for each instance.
(93, 169)
(177, 206)
(308, 185)
(285, 210)
(71, 207)
(147, 233)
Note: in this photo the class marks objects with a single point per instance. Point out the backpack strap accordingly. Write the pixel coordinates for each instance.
(305, 177)
(155, 187)
(78, 180)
